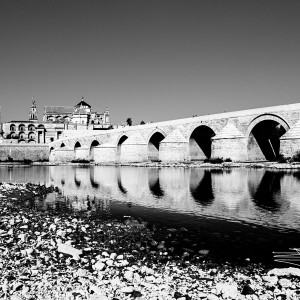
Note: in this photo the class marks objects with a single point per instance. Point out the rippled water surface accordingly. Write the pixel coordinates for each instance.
(238, 212)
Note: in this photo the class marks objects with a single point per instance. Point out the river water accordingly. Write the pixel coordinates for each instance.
(234, 213)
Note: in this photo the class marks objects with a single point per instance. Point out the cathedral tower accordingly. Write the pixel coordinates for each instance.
(33, 112)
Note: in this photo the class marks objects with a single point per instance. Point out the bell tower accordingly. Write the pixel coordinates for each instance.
(33, 112)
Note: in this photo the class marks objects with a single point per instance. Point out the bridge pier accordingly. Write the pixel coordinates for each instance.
(290, 141)
(174, 148)
(134, 149)
(63, 155)
(235, 148)
(82, 153)
(105, 153)
(230, 143)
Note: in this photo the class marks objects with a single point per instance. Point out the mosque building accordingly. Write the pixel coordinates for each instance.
(56, 119)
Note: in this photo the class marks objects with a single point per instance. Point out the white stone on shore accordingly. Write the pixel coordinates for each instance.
(67, 249)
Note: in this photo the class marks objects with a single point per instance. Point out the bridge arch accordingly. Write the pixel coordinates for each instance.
(121, 140)
(154, 140)
(77, 145)
(200, 142)
(263, 136)
(94, 144)
(62, 145)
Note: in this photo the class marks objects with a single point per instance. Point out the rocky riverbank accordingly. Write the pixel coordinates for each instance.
(55, 255)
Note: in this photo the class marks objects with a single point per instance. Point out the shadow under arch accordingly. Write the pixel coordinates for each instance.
(122, 139)
(201, 187)
(154, 184)
(200, 142)
(264, 192)
(153, 145)
(264, 134)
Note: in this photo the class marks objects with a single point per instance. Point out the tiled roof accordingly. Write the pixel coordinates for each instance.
(82, 103)
(58, 110)
(80, 111)
(229, 132)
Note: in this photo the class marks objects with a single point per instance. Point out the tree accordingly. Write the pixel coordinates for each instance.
(142, 123)
(129, 121)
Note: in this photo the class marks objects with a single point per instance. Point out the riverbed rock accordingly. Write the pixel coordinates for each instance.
(67, 249)
(291, 271)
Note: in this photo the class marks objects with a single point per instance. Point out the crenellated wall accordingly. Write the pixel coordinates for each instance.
(243, 135)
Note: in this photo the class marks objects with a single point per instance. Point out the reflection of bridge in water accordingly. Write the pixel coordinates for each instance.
(255, 196)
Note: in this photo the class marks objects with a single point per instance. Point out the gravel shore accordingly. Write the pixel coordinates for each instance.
(55, 255)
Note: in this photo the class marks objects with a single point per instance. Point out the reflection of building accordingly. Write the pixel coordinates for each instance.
(56, 119)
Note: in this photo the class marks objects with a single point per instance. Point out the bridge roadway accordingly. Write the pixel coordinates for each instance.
(248, 135)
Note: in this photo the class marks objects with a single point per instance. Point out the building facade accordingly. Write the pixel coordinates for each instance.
(56, 119)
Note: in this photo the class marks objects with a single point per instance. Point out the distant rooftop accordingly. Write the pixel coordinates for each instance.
(58, 110)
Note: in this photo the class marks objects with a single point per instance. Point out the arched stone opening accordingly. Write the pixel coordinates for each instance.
(200, 142)
(62, 145)
(93, 145)
(13, 128)
(22, 136)
(31, 136)
(119, 146)
(153, 146)
(22, 127)
(77, 145)
(264, 139)
(31, 127)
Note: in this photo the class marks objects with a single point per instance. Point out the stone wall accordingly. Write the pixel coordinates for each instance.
(21, 152)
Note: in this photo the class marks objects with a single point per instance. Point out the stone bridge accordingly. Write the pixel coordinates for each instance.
(248, 135)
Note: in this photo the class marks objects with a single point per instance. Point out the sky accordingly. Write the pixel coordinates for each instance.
(153, 60)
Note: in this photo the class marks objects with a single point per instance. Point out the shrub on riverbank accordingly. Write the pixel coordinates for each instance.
(80, 161)
(217, 160)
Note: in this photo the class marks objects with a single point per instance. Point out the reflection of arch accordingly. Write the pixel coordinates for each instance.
(77, 182)
(21, 141)
(265, 193)
(154, 184)
(264, 134)
(201, 188)
(122, 139)
(200, 142)
(41, 126)
(94, 184)
(153, 144)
